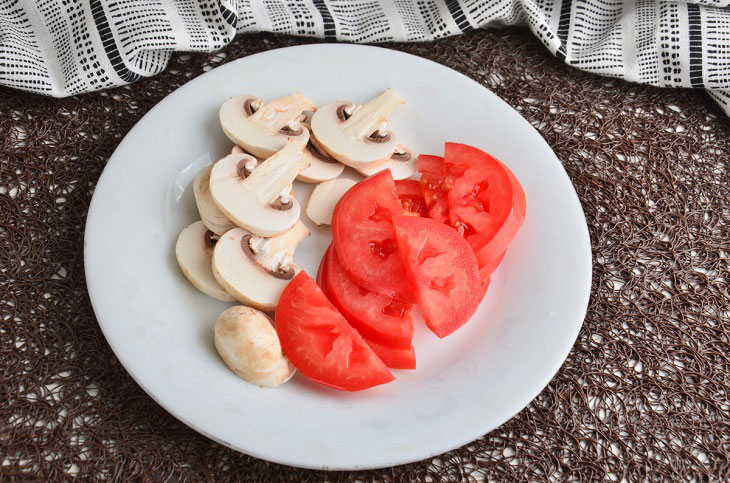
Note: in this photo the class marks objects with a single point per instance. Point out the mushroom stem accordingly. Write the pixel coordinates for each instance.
(288, 241)
(283, 111)
(371, 115)
(274, 174)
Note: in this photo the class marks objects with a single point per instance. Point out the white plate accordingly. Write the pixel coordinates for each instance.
(160, 327)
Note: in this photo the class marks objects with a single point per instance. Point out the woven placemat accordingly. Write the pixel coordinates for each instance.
(642, 395)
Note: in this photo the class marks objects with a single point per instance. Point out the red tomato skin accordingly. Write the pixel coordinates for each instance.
(394, 358)
(433, 175)
(411, 197)
(317, 339)
(363, 236)
(366, 311)
(490, 255)
(444, 270)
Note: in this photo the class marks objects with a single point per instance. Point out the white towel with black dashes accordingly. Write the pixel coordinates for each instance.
(62, 47)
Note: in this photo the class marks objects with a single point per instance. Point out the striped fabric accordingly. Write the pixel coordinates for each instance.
(67, 47)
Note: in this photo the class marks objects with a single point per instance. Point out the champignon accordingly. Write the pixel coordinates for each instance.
(211, 216)
(324, 197)
(259, 199)
(193, 251)
(247, 342)
(322, 166)
(356, 135)
(255, 270)
(402, 164)
(263, 129)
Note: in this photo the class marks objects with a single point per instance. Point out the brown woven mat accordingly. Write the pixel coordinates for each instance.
(643, 394)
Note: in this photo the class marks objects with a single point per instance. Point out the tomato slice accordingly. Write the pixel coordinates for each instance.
(433, 175)
(321, 344)
(481, 195)
(363, 236)
(376, 317)
(411, 197)
(394, 358)
(492, 252)
(444, 270)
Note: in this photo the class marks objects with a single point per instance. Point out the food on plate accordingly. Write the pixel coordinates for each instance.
(324, 197)
(263, 129)
(443, 269)
(211, 216)
(362, 232)
(321, 344)
(376, 317)
(258, 197)
(411, 197)
(254, 269)
(247, 342)
(394, 358)
(193, 252)
(479, 196)
(402, 164)
(356, 135)
(322, 166)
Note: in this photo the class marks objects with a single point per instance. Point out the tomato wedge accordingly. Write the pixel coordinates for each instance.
(444, 270)
(411, 197)
(492, 252)
(433, 176)
(321, 344)
(363, 236)
(394, 358)
(376, 317)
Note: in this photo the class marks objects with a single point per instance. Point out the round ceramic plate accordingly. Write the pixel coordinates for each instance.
(161, 328)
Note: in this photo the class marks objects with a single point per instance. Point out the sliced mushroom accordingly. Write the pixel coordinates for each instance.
(324, 198)
(402, 164)
(211, 216)
(322, 167)
(260, 199)
(255, 270)
(193, 251)
(356, 135)
(247, 342)
(263, 129)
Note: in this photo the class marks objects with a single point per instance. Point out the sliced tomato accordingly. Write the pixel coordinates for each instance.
(411, 197)
(378, 318)
(433, 187)
(444, 270)
(485, 287)
(394, 358)
(321, 344)
(492, 252)
(363, 236)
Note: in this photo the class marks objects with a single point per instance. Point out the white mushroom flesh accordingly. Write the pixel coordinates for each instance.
(254, 202)
(194, 257)
(324, 198)
(257, 281)
(322, 166)
(265, 131)
(360, 140)
(247, 342)
(402, 164)
(211, 216)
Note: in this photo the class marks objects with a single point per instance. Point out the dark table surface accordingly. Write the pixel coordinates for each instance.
(642, 395)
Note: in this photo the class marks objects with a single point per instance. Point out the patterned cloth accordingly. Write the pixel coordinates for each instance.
(66, 47)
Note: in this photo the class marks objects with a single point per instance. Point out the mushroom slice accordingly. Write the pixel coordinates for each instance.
(322, 167)
(259, 200)
(356, 135)
(263, 129)
(193, 251)
(247, 342)
(211, 216)
(324, 198)
(402, 164)
(255, 270)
